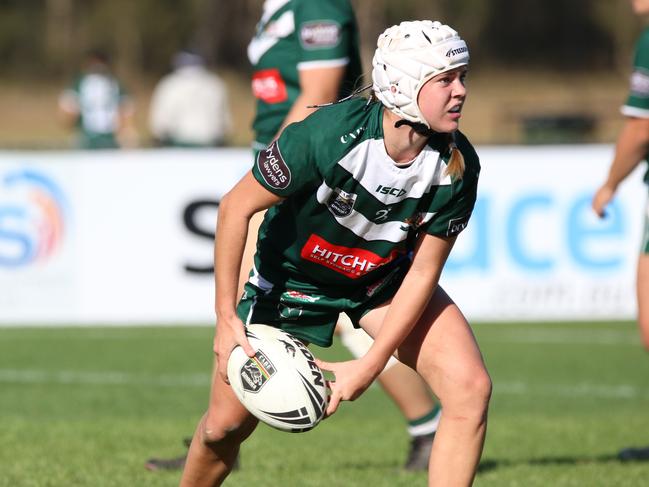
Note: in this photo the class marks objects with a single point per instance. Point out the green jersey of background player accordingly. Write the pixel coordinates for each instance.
(637, 103)
(97, 105)
(630, 150)
(295, 35)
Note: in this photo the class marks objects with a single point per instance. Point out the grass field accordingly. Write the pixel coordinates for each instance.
(87, 406)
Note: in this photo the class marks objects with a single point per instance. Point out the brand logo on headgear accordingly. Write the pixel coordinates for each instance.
(32, 217)
(456, 51)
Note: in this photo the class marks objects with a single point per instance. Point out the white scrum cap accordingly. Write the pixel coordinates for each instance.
(408, 55)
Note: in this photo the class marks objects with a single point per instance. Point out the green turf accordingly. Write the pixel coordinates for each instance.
(87, 406)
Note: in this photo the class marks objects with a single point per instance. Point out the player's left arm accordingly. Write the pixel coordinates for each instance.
(411, 299)
(407, 306)
(631, 148)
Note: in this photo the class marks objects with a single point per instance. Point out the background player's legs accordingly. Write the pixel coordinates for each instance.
(443, 350)
(643, 324)
(407, 390)
(215, 445)
(643, 298)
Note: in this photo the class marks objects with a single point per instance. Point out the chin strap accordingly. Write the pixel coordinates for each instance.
(418, 127)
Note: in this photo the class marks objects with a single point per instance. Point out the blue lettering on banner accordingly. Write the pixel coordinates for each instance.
(32, 217)
(514, 224)
(579, 239)
(581, 231)
(16, 248)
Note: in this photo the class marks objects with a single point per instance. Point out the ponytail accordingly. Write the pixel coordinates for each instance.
(455, 164)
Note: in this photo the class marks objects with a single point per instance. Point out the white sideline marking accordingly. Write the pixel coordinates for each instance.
(582, 389)
(102, 378)
(576, 336)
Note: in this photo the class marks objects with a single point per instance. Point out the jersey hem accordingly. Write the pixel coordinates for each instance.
(630, 111)
(325, 63)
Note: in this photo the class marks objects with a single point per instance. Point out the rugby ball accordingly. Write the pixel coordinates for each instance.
(281, 385)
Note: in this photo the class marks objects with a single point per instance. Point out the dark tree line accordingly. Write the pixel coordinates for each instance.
(42, 38)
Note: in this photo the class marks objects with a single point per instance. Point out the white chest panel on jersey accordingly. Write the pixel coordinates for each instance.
(271, 34)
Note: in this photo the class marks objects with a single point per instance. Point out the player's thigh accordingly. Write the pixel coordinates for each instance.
(441, 346)
(249, 249)
(225, 412)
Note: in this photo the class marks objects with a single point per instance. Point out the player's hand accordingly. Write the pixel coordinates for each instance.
(351, 380)
(602, 197)
(230, 333)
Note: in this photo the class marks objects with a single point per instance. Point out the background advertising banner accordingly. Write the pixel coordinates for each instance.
(126, 237)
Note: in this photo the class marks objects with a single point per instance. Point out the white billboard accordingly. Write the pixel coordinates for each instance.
(126, 236)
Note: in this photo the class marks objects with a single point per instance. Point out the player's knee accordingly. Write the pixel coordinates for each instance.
(482, 388)
(470, 394)
(217, 432)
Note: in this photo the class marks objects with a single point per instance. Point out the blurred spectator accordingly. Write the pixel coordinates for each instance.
(97, 105)
(189, 107)
(633, 148)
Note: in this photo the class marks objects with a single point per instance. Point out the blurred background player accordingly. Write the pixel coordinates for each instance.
(631, 149)
(98, 106)
(306, 53)
(189, 106)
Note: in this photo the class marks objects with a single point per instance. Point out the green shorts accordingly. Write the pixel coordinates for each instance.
(312, 316)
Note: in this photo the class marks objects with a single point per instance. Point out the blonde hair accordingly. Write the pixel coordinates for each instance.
(455, 165)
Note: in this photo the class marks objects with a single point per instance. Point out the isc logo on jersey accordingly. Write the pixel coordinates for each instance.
(390, 190)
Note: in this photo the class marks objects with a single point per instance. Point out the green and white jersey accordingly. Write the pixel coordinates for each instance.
(637, 104)
(351, 215)
(294, 35)
(97, 97)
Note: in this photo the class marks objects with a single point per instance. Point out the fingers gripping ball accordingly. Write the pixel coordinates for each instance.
(281, 385)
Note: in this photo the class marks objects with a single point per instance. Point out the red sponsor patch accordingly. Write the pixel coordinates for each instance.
(268, 86)
(350, 261)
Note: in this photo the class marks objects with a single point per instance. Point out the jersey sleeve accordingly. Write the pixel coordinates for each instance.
(637, 103)
(326, 32)
(287, 165)
(454, 216)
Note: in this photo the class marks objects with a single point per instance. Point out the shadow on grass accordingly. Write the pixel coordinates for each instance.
(490, 465)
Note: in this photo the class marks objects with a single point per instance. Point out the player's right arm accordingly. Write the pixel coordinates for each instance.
(235, 210)
(631, 148)
(317, 86)
(69, 107)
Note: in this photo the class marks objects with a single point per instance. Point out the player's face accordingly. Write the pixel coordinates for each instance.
(640, 7)
(441, 100)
